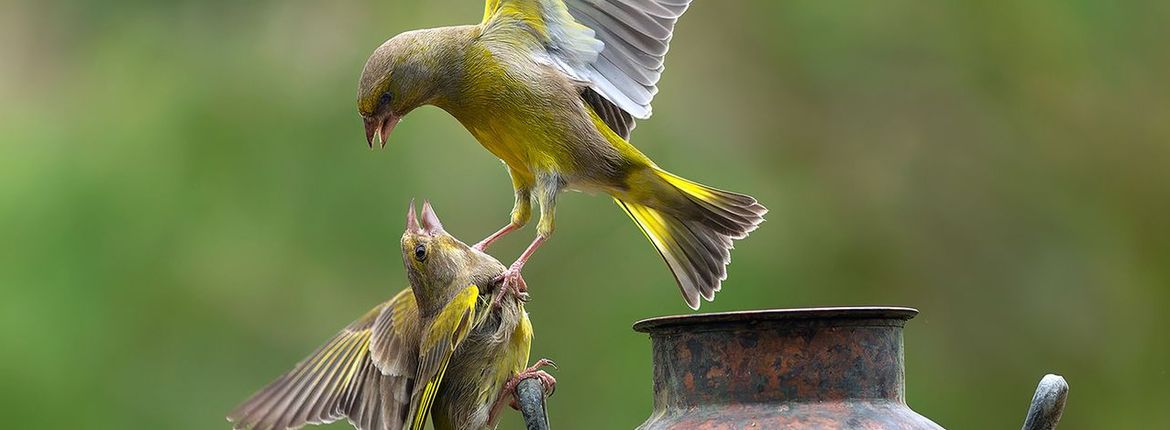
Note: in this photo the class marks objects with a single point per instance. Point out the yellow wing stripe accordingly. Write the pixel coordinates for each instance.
(451, 325)
(489, 8)
(333, 351)
(357, 361)
(315, 390)
(429, 397)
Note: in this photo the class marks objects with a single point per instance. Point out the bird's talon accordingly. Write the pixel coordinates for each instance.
(547, 381)
(509, 281)
(541, 363)
(533, 371)
(546, 362)
(514, 281)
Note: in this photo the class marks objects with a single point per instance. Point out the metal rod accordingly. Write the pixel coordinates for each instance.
(1047, 403)
(530, 394)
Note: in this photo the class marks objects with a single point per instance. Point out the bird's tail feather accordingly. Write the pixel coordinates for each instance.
(694, 233)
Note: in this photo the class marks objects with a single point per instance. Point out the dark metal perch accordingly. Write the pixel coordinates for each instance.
(530, 395)
(1047, 403)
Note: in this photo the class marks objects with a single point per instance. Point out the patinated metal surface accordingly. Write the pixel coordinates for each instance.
(801, 368)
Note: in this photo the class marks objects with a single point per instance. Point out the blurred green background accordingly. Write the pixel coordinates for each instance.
(188, 206)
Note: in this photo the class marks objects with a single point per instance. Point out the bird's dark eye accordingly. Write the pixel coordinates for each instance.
(385, 99)
(420, 252)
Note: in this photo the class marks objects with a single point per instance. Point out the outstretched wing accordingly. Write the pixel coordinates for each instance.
(617, 46)
(343, 377)
(439, 342)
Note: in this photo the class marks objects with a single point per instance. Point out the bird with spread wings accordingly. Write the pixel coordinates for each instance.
(444, 349)
(553, 88)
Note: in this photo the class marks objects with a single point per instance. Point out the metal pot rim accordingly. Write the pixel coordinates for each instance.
(847, 312)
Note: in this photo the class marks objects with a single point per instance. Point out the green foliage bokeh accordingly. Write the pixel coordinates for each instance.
(188, 206)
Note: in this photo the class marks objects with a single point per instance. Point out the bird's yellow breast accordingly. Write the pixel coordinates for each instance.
(510, 106)
(512, 142)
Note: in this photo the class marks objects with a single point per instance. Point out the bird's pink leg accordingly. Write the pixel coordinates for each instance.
(521, 212)
(547, 198)
(509, 390)
(486, 242)
(511, 277)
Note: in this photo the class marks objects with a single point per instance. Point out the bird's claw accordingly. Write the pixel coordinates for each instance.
(512, 280)
(549, 383)
(509, 282)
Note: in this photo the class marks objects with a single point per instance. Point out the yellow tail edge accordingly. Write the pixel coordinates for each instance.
(695, 238)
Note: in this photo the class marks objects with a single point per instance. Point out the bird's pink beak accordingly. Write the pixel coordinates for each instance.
(412, 221)
(430, 221)
(378, 129)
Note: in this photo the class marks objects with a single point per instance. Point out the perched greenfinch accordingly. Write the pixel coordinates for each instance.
(552, 88)
(442, 347)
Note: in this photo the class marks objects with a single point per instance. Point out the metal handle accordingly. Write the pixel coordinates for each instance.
(530, 393)
(1047, 403)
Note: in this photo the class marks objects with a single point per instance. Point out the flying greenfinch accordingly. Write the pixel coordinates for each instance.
(442, 347)
(552, 88)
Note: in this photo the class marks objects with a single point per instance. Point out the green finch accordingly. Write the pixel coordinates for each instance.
(552, 88)
(442, 347)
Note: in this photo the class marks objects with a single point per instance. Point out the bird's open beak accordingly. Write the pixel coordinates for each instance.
(430, 221)
(412, 226)
(378, 129)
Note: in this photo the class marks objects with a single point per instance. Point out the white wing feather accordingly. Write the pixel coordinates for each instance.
(636, 36)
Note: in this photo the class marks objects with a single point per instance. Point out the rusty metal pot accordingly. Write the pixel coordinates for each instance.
(800, 368)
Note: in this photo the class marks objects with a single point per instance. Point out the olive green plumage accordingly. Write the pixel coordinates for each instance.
(552, 88)
(436, 349)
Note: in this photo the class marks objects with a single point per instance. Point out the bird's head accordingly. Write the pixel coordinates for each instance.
(437, 264)
(401, 75)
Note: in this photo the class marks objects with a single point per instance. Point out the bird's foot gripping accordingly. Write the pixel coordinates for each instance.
(550, 383)
(510, 282)
(508, 391)
(514, 281)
